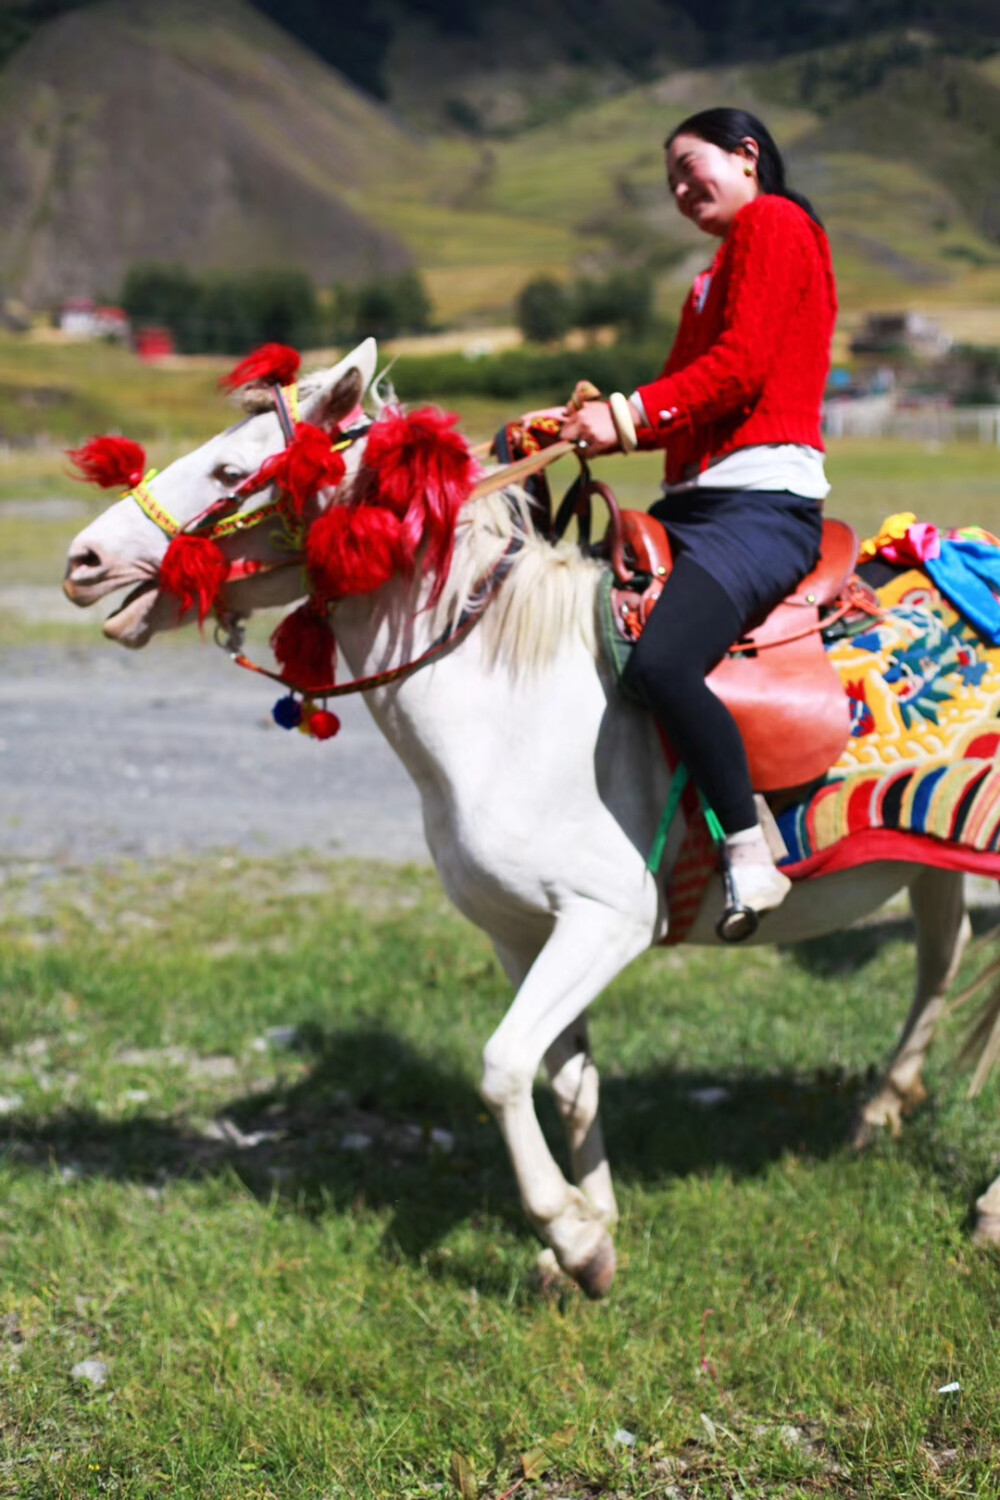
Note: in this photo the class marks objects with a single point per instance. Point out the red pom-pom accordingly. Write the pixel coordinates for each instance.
(353, 550)
(193, 570)
(111, 462)
(305, 647)
(271, 364)
(323, 725)
(308, 465)
(423, 471)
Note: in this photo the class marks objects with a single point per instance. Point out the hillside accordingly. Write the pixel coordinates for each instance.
(897, 143)
(500, 65)
(134, 131)
(169, 130)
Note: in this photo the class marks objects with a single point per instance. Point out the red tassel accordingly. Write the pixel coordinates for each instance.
(304, 645)
(111, 462)
(353, 550)
(271, 364)
(194, 571)
(423, 471)
(301, 470)
(323, 725)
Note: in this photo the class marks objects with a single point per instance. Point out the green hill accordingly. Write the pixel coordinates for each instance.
(896, 140)
(203, 134)
(134, 131)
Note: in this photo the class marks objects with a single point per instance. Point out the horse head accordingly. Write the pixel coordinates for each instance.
(125, 547)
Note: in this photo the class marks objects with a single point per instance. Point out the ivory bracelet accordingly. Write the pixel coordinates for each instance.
(621, 415)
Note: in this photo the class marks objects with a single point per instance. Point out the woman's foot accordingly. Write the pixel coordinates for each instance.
(757, 884)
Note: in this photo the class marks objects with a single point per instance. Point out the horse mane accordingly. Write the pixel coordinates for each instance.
(548, 596)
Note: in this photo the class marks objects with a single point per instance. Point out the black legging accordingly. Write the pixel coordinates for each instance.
(690, 630)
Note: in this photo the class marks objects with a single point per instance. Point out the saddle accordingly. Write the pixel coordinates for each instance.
(777, 681)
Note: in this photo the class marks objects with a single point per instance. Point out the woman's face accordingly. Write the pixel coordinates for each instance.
(710, 185)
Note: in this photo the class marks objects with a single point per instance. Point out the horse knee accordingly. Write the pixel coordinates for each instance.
(503, 1083)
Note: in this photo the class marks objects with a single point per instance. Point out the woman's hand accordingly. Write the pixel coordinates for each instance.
(592, 429)
(559, 412)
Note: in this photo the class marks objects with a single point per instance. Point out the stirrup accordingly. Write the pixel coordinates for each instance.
(738, 922)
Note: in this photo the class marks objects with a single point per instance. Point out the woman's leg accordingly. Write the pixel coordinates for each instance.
(686, 636)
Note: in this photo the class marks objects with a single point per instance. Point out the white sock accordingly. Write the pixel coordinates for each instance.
(745, 836)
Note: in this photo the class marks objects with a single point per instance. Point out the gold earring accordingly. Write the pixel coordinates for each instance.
(748, 170)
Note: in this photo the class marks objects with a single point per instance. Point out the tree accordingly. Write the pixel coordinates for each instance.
(624, 300)
(543, 311)
(223, 313)
(386, 306)
(165, 294)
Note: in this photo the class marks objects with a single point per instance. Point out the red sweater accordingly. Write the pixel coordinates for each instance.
(751, 366)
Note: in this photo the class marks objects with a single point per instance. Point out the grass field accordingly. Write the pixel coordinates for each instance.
(245, 1168)
(283, 1310)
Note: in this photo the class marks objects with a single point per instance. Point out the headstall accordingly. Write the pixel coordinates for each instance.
(391, 514)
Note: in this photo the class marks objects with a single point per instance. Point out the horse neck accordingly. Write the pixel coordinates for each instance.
(384, 629)
(397, 623)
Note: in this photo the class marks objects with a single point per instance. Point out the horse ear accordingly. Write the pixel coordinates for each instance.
(329, 396)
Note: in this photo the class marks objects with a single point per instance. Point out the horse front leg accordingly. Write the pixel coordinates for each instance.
(573, 1075)
(588, 946)
(937, 898)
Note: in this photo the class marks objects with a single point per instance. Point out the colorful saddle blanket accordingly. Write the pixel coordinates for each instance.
(923, 760)
(919, 779)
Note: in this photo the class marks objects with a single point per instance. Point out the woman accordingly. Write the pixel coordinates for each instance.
(738, 408)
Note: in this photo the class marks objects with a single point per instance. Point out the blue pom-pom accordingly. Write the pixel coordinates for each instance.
(287, 712)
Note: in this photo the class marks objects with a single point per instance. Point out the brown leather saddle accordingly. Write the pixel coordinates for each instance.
(777, 681)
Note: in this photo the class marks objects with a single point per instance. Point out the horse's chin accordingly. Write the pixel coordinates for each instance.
(138, 618)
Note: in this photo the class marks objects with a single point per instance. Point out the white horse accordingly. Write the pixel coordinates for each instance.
(541, 790)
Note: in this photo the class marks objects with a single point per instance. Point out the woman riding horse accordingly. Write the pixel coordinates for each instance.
(738, 409)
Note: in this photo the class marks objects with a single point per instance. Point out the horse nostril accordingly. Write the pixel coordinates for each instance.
(83, 559)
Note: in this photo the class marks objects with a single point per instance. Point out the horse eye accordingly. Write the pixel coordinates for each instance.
(228, 474)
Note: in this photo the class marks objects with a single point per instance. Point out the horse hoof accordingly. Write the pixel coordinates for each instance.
(881, 1119)
(987, 1230)
(549, 1274)
(596, 1276)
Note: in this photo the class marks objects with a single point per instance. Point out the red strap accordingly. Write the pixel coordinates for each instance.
(361, 684)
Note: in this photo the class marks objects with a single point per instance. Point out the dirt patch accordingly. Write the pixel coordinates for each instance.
(106, 754)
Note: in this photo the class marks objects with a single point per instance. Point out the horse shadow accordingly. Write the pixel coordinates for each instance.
(374, 1122)
(831, 957)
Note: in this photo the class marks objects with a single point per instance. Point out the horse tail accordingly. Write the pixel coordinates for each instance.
(982, 1044)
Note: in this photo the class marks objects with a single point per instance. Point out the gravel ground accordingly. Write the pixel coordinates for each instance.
(106, 754)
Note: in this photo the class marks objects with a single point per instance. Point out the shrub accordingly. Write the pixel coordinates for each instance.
(531, 374)
(383, 307)
(624, 300)
(543, 311)
(222, 312)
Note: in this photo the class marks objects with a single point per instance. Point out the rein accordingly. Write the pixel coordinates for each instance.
(473, 611)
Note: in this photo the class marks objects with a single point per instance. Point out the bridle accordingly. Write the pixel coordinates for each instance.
(225, 517)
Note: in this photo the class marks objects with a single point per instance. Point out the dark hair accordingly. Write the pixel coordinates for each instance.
(728, 129)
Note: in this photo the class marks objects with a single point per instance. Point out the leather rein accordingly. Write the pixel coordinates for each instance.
(224, 518)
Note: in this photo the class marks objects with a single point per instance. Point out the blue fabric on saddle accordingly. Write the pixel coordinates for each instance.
(968, 574)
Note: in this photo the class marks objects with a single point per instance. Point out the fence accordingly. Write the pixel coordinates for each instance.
(883, 417)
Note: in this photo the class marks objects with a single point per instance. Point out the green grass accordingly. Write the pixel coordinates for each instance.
(294, 1318)
(62, 392)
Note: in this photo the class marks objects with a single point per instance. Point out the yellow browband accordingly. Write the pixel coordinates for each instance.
(227, 525)
(156, 513)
